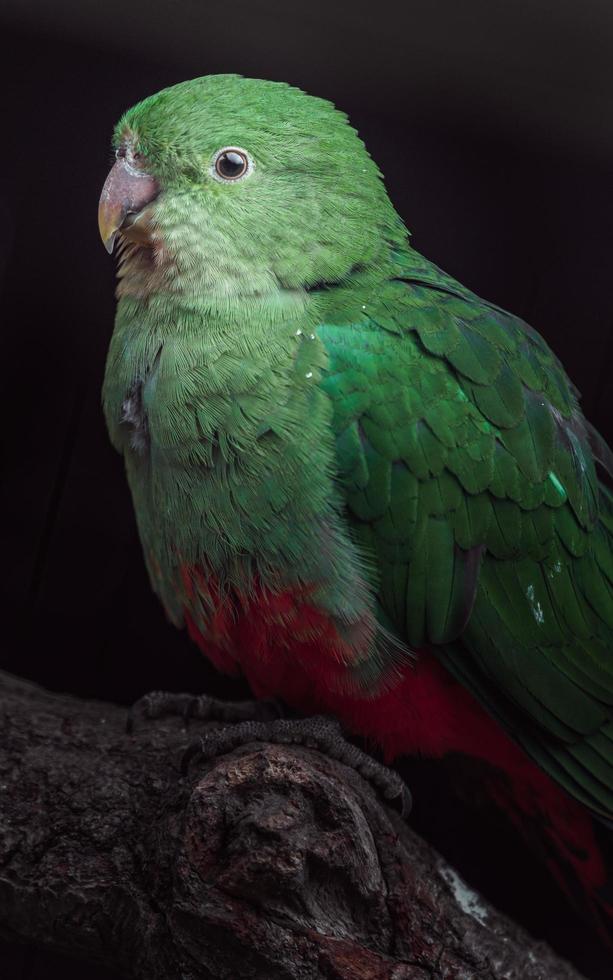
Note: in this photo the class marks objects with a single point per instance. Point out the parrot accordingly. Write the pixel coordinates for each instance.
(358, 485)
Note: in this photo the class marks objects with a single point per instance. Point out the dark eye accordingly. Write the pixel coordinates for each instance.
(231, 164)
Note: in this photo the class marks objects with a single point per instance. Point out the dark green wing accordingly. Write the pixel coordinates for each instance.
(469, 472)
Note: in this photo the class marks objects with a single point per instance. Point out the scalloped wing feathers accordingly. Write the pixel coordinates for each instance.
(469, 474)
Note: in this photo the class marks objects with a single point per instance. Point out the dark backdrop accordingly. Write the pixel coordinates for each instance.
(492, 123)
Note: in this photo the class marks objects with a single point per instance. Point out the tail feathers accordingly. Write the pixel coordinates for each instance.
(576, 848)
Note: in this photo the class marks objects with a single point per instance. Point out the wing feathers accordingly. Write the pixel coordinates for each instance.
(469, 471)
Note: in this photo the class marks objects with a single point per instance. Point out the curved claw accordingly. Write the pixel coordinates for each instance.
(193, 749)
(403, 796)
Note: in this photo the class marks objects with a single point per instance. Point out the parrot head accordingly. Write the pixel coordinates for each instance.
(241, 186)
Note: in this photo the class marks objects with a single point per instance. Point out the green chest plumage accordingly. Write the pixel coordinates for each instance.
(229, 448)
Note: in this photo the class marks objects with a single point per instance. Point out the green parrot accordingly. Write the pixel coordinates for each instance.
(360, 486)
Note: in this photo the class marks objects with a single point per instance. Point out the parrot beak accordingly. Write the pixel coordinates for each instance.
(125, 195)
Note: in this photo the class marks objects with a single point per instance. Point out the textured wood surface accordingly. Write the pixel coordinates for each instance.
(269, 862)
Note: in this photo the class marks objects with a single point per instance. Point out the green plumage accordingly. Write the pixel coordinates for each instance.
(320, 405)
(482, 458)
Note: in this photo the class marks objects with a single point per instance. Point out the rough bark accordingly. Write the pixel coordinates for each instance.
(272, 862)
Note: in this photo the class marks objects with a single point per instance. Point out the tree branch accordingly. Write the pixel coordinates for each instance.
(273, 862)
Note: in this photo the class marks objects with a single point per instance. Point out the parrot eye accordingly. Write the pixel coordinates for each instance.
(230, 163)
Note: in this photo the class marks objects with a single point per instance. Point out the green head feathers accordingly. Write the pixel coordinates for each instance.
(310, 207)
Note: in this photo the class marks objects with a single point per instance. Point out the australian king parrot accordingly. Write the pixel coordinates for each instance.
(359, 485)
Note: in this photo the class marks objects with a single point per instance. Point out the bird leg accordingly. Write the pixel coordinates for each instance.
(324, 734)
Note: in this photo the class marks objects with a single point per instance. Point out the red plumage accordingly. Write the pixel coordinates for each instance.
(287, 648)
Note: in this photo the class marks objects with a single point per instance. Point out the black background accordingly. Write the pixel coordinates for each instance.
(493, 125)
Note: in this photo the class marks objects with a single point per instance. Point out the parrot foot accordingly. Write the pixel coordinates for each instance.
(160, 704)
(324, 734)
